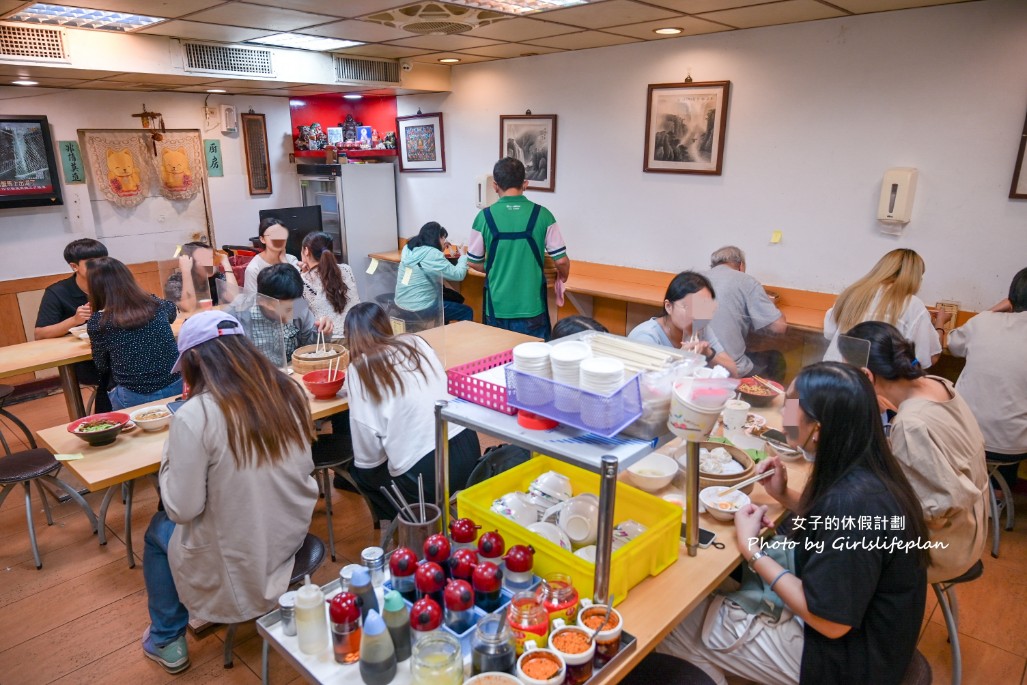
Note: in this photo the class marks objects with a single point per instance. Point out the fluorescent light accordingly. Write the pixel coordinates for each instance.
(449, 60)
(25, 82)
(304, 42)
(297, 103)
(669, 31)
(216, 90)
(76, 17)
(518, 6)
(353, 96)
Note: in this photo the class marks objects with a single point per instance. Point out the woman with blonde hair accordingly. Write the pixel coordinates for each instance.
(888, 293)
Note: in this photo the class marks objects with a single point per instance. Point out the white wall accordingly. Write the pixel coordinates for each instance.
(32, 239)
(818, 112)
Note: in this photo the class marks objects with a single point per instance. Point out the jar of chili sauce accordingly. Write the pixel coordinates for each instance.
(528, 620)
(559, 597)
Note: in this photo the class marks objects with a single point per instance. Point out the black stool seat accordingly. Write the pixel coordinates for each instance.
(308, 559)
(664, 668)
(919, 671)
(26, 465)
(5, 391)
(973, 573)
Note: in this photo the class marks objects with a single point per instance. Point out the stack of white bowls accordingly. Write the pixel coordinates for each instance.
(533, 359)
(602, 376)
(566, 359)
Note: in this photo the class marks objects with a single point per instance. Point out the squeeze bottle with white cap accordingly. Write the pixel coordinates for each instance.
(311, 619)
(377, 655)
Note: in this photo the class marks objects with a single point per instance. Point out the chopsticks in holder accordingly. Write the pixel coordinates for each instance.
(392, 500)
(420, 496)
(402, 499)
(748, 481)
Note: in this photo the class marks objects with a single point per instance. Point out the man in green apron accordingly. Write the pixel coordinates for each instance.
(509, 239)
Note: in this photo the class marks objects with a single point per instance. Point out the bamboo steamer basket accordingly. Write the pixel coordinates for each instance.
(302, 366)
(708, 480)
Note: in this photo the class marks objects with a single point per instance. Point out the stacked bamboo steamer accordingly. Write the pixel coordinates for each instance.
(327, 354)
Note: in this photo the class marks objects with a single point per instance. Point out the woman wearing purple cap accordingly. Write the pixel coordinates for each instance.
(236, 487)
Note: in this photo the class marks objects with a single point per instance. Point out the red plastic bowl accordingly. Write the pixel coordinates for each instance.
(766, 395)
(104, 437)
(320, 386)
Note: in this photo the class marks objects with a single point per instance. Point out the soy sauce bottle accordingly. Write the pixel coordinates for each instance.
(377, 654)
(397, 619)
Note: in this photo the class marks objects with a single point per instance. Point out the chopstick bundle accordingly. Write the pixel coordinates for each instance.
(636, 357)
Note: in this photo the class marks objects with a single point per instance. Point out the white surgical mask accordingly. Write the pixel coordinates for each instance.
(808, 456)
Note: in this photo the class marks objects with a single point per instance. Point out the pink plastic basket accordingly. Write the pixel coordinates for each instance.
(463, 384)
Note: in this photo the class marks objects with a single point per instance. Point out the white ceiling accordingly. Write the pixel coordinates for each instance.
(598, 24)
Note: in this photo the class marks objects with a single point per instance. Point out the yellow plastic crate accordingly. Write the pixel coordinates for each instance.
(647, 555)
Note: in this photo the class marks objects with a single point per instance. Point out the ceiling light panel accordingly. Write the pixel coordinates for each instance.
(304, 42)
(518, 6)
(76, 17)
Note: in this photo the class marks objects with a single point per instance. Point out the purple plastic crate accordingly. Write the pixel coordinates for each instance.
(605, 415)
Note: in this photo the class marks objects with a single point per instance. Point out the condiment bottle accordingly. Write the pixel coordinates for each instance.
(397, 620)
(491, 547)
(430, 581)
(377, 654)
(519, 561)
(344, 613)
(403, 565)
(558, 596)
(463, 532)
(437, 549)
(528, 620)
(459, 598)
(492, 647)
(311, 622)
(425, 617)
(360, 585)
(487, 580)
(373, 559)
(462, 563)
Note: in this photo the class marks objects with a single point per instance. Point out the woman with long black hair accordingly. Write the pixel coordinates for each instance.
(328, 287)
(130, 333)
(422, 267)
(856, 598)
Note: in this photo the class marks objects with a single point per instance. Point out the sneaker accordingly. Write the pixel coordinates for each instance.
(174, 656)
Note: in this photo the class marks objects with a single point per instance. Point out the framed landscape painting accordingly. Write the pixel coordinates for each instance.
(685, 126)
(420, 141)
(531, 138)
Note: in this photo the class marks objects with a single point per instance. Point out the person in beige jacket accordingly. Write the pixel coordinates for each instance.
(236, 485)
(936, 439)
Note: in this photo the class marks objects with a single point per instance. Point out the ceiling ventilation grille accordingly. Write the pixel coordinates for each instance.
(223, 59)
(366, 70)
(33, 43)
(431, 18)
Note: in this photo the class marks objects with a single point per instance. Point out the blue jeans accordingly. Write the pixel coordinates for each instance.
(457, 311)
(538, 326)
(122, 397)
(168, 616)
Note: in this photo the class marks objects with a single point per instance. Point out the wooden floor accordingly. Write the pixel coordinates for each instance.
(80, 618)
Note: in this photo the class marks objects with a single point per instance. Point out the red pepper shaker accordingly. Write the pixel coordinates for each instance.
(344, 612)
(519, 561)
(459, 596)
(437, 549)
(463, 533)
(487, 580)
(425, 617)
(430, 580)
(491, 547)
(402, 566)
(462, 563)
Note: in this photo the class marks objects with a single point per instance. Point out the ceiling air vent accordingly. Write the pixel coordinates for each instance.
(436, 18)
(366, 70)
(224, 59)
(35, 43)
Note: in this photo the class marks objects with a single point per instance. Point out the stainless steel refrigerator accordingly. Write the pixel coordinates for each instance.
(358, 208)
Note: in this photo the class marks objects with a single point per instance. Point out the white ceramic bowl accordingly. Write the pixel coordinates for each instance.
(579, 519)
(151, 424)
(516, 506)
(710, 497)
(553, 484)
(653, 472)
(551, 532)
(588, 553)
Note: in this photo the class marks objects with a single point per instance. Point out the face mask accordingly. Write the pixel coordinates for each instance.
(808, 456)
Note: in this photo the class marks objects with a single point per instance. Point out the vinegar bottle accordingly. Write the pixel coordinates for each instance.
(377, 655)
(311, 622)
(397, 619)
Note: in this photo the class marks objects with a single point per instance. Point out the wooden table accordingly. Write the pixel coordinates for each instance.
(39, 355)
(138, 453)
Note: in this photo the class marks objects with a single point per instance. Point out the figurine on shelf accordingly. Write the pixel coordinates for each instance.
(303, 139)
(390, 140)
(349, 131)
(318, 139)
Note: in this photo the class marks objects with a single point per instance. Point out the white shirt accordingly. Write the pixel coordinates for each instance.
(258, 264)
(401, 429)
(317, 300)
(914, 324)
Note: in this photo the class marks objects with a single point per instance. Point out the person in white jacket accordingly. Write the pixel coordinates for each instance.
(393, 383)
(236, 485)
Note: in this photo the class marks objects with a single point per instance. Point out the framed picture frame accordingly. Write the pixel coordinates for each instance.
(1018, 189)
(531, 138)
(685, 125)
(28, 168)
(258, 164)
(421, 142)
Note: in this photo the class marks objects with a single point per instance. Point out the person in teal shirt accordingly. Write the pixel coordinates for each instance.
(510, 240)
(419, 291)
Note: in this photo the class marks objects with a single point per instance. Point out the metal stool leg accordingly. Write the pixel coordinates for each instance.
(46, 503)
(72, 494)
(325, 477)
(229, 644)
(32, 526)
(994, 519)
(1007, 497)
(942, 592)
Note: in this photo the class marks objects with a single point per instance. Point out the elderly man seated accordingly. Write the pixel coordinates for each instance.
(744, 307)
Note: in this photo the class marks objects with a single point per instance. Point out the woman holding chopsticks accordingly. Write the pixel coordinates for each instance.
(688, 306)
(394, 382)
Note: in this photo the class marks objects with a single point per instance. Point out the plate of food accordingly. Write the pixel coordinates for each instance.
(759, 394)
(755, 424)
(99, 429)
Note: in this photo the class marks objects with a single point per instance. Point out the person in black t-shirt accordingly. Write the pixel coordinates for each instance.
(65, 305)
(859, 540)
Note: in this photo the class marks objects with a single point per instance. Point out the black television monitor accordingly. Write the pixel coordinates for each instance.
(299, 220)
(28, 172)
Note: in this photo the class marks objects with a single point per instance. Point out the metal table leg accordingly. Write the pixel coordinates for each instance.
(72, 393)
(264, 679)
(101, 525)
(442, 463)
(604, 533)
(128, 525)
